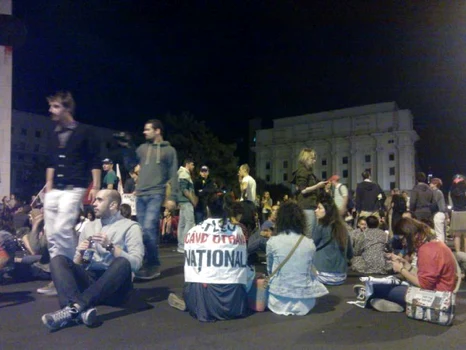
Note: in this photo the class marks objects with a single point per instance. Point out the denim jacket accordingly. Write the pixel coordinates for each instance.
(294, 279)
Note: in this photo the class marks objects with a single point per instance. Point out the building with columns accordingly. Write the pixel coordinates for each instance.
(378, 137)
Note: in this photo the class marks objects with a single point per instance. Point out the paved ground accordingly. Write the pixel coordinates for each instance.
(333, 324)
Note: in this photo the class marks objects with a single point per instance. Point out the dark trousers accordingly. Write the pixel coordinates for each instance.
(89, 288)
(390, 292)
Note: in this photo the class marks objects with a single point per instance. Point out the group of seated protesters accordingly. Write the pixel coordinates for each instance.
(218, 270)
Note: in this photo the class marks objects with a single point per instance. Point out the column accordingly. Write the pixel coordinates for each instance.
(6, 54)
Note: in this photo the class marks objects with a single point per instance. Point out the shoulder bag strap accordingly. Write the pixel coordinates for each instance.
(287, 258)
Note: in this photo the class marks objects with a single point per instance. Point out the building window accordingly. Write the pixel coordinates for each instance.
(22, 146)
(391, 141)
(324, 175)
(392, 170)
(344, 160)
(267, 178)
(367, 158)
(34, 159)
(285, 164)
(38, 134)
(345, 174)
(20, 157)
(267, 166)
(392, 185)
(285, 177)
(391, 157)
(24, 131)
(36, 148)
(324, 161)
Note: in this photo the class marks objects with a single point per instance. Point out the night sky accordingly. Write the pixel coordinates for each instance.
(229, 61)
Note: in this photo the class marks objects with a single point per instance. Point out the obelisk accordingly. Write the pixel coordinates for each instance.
(6, 63)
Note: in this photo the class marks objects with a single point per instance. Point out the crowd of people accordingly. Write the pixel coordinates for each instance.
(92, 246)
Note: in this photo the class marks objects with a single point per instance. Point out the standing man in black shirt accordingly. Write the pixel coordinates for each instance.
(73, 155)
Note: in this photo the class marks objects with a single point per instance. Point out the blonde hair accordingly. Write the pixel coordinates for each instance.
(305, 157)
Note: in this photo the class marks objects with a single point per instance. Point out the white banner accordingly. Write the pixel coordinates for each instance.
(215, 254)
(130, 199)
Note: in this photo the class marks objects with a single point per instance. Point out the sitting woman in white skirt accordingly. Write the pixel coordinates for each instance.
(293, 288)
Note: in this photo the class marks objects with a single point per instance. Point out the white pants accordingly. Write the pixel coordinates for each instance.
(61, 211)
(439, 225)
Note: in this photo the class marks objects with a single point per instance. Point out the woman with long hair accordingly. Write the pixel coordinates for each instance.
(307, 185)
(334, 248)
(293, 288)
(435, 268)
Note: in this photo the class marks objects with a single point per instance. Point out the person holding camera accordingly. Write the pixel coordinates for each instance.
(101, 273)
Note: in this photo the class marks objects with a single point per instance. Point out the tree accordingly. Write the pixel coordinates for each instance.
(193, 139)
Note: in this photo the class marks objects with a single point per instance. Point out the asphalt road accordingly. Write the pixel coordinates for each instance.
(150, 323)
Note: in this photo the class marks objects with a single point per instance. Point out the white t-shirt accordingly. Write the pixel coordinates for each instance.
(340, 192)
(215, 253)
(250, 190)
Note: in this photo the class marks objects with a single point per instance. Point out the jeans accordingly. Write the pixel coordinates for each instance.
(148, 214)
(186, 222)
(390, 292)
(310, 215)
(439, 224)
(61, 210)
(89, 288)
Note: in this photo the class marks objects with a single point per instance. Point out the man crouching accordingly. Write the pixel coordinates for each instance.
(109, 249)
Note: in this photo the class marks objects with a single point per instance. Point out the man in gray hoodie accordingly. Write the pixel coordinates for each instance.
(157, 185)
(422, 198)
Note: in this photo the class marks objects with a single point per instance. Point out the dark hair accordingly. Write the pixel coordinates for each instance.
(421, 177)
(248, 218)
(290, 217)
(372, 221)
(188, 160)
(215, 205)
(156, 124)
(366, 174)
(90, 211)
(436, 182)
(415, 232)
(65, 98)
(125, 210)
(332, 218)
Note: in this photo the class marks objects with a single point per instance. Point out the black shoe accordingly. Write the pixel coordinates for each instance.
(148, 273)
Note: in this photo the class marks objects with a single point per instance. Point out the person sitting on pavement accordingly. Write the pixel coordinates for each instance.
(101, 272)
(169, 226)
(436, 267)
(334, 248)
(293, 289)
(215, 269)
(361, 226)
(369, 253)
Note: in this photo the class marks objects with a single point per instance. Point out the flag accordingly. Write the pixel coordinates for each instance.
(120, 182)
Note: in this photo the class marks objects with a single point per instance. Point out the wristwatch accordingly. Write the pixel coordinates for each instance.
(110, 247)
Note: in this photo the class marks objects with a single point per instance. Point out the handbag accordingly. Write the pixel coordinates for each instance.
(258, 294)
(432, 306)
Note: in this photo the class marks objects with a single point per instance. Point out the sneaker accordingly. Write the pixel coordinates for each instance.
(88, 317)
(48, 289)
(176, 302)
(360, 291)
(383, 305)
(60, 318)
(148, 273)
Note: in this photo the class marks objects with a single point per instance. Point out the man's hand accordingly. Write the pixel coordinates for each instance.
(83, 245)
(92, 195)
(267, 233)
(101, 238)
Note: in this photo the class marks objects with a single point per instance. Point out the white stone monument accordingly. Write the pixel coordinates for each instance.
(6, 55)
